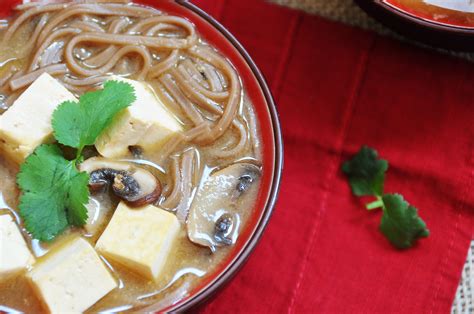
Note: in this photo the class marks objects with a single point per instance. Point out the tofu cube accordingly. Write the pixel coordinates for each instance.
(146, 123)
(27, 123)
(71, 277)
(140, 238)
(15, 256)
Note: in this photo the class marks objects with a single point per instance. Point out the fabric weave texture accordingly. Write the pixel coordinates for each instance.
(338, 87)
(348, 12)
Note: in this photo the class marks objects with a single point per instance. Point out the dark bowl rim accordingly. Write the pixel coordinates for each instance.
(250, 245)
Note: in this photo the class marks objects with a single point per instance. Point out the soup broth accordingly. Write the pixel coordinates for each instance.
(81, 44)
(459, 13)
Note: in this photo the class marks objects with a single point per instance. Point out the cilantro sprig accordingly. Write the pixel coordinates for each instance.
(80, 124)
(400, 222)
(54, 192)
(51, 184)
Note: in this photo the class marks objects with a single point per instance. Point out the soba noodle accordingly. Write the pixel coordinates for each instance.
(193, 83)
(82, 43)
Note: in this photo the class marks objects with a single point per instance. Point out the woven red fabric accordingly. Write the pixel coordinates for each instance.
(337, 88)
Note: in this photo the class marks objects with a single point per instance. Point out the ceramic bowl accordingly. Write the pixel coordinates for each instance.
(259, 93)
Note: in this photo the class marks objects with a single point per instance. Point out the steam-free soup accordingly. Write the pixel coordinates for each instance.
(180, 164)
(458, 13)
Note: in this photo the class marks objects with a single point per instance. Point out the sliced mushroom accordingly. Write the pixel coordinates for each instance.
(98, 211)
(129, 182)
(223, 229)
(214, 216)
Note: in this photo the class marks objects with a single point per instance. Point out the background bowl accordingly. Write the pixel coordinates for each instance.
(259, 93)
(436, 24)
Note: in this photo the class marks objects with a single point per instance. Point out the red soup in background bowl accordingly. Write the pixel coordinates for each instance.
(256, 92)
(441, 23)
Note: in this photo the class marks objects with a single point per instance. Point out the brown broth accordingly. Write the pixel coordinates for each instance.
(188, 263)
(436, 12)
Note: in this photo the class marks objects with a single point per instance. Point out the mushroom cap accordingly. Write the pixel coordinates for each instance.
(214, 216)
(133, 184)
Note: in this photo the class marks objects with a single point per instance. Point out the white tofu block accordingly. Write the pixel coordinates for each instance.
(146, 123)
(140, 238)
(27, 123)
(71, 277)
(15, 256)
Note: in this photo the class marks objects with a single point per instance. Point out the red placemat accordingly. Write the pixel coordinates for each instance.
(337, 88)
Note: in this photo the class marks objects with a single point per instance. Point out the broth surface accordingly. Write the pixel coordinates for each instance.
(450, 12)
(188, 263)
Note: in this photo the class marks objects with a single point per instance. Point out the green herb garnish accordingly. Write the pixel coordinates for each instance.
(54, 192)
(366, 173)
(80, 124)
(400, 222)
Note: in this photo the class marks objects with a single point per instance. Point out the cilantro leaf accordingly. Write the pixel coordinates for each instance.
(79, 124)
(54, 193)
(366, 173)
(400, 222)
